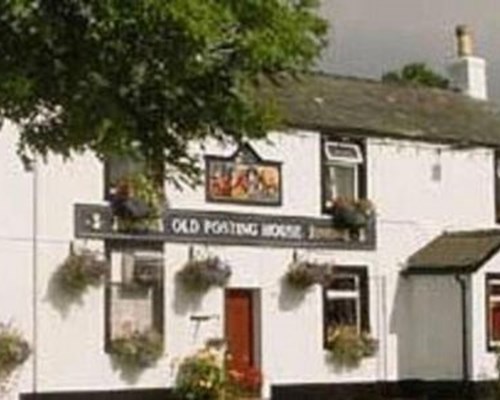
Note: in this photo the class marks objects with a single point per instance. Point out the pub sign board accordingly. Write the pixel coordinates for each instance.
(243, 178)
(227, 228)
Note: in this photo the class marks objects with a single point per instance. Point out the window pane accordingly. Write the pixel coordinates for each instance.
(119, 168)
(495, 321)
(343, 283)
(131, 310)
(494, 289)
(341, 312)
(343, 151)
(340, 182)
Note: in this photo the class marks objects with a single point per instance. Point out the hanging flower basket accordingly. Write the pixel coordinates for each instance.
(347, 347)
(352, 215)
(303, 274)
(81, 270)
(14, 350)
(200, 275)
(137, 350)
(136, 204)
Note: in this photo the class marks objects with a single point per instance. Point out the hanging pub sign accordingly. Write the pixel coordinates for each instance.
(243, 178)
(209, 227)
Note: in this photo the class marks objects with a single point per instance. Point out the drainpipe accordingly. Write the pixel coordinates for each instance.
(34, 273)
(462, 281)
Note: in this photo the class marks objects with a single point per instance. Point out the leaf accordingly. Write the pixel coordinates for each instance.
(147, 76)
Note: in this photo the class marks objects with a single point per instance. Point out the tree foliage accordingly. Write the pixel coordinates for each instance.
(417, 74)
(146, 77)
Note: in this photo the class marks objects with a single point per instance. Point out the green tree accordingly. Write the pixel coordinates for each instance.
(147, 77)
(417, 74)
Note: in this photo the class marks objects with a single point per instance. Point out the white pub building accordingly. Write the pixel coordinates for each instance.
(392, 192)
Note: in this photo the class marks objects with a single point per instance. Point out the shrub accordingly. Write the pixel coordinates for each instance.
(201, 376)
(14, 350)
(138, 349)
(347, 347)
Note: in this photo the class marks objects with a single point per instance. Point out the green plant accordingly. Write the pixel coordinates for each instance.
(302, 274)
(136, 203)
(81, 270)
(347, 347)
(81, 75)
(417, 74)
(201, 376)
(201, 274)
(14, 350)
(138, 349)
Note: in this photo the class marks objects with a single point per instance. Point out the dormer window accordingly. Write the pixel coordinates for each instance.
(343, 164)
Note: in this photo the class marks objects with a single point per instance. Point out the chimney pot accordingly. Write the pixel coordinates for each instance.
(464, 41)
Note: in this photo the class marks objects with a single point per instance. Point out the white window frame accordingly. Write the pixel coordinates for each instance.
(122, 279)
(332, 161)
(358, 159)
(348, 294)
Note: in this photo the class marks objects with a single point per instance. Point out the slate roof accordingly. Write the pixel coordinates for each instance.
(371, 108)
(454, 252)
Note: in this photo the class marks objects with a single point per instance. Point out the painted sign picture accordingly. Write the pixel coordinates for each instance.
(243, 178)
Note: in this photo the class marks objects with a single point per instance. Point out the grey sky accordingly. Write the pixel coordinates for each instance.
(369, 37)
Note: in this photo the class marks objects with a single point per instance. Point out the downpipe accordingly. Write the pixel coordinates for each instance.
(462, 282)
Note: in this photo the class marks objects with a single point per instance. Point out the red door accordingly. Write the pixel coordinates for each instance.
(239, 328)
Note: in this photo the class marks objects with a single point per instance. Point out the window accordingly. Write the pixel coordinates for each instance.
(345, 300)
(118, 168)
(493, 309)
(134, 294)
(343, 167)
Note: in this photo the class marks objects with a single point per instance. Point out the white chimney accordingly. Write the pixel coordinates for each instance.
(468, 73)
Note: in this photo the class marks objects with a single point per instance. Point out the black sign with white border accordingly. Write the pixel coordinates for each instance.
(226, 228)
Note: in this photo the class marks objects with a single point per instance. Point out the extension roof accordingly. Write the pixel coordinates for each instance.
(370, 108)
(455, 252)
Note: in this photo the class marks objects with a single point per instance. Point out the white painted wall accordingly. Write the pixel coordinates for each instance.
(16, 230)
(411, 208)
(430, 346)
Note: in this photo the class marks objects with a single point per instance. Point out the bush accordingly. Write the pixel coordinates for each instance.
(201, 376)
(14, 350)
(347, 347)
(137, 350)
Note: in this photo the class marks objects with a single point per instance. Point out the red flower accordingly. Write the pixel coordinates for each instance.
(247, 378)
